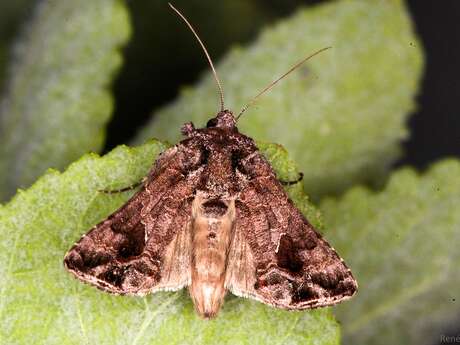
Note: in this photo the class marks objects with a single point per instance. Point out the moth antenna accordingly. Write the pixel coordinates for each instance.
(219, 85)
(273, 83)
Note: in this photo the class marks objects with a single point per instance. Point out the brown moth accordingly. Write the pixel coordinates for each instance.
(212, 216)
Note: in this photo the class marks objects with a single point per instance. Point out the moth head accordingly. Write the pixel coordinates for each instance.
(224, 119)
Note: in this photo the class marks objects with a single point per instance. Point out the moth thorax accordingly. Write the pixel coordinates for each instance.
(212, 225)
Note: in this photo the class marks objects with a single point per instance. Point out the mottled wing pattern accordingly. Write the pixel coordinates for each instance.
(277, 256)
(145, 245)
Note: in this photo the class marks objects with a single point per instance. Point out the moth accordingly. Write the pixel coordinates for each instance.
(212, 216)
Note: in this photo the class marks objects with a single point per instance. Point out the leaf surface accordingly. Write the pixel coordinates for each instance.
(402, 245)
(57, 101)
(42, 304)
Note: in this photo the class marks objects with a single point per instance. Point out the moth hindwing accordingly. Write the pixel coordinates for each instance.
(212, 216)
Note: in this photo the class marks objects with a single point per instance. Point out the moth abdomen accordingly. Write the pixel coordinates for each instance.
(212, 226)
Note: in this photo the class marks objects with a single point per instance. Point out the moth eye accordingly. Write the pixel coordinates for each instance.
(212, 123)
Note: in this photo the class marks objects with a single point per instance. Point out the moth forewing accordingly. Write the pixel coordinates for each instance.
(177, 262)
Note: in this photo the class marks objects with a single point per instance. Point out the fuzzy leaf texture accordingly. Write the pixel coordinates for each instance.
(342, 115)
(57, 101)
(402, 245)
(41, 303)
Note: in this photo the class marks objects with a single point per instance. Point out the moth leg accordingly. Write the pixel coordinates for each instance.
(290, 183)
(125, 189)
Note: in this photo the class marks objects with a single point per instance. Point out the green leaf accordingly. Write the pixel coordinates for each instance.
(57, 101)
(402, 245)
(40, 303)
(342, 115)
